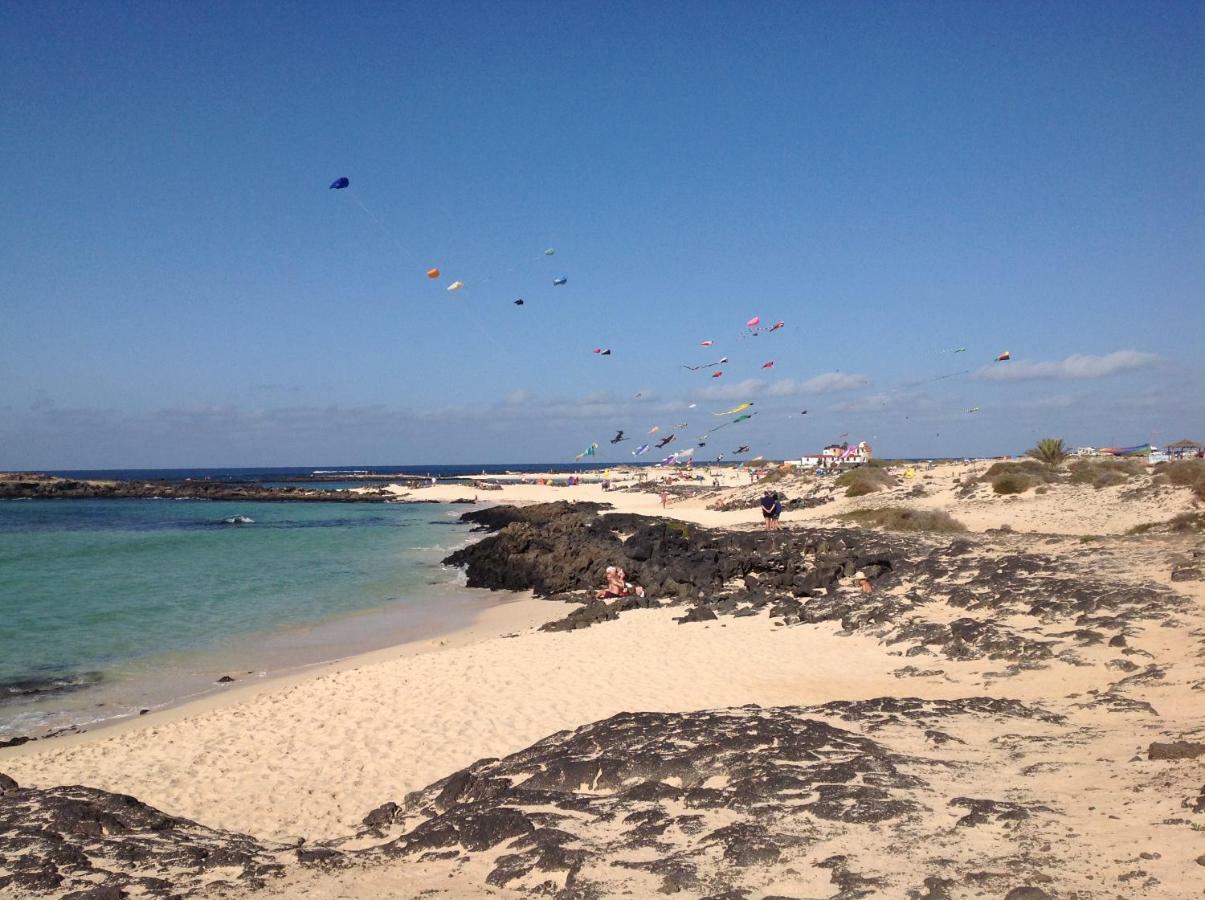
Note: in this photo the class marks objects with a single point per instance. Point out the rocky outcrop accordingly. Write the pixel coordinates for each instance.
(801, 577)
(63, 840)
(671, 798)
(45, 487)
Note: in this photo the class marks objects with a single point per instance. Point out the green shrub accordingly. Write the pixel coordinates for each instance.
(1104, 472)
(1051, 451)
(1185, 523)
(1030, 469)
(899, 518)
(864, 480)
(1011, 483)
(1183, 473)
(1109, 479)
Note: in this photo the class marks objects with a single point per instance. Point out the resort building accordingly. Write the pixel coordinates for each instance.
(838, 456)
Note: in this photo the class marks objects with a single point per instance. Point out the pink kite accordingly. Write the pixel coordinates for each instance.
(706, 343)
(754, 322)
(1004, 357)
(769, 365)
(716, 374)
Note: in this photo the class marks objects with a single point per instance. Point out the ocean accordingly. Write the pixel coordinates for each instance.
(112, 606)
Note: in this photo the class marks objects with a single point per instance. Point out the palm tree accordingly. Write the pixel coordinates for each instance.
(1051, 451)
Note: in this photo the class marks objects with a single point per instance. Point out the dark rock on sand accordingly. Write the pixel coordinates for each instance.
(78, 839)
(1027, 892)
(798, 576)
(746, 784)
(1175, 750)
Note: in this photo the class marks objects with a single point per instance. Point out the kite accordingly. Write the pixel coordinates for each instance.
(742, 418)
(734, 410)
(768, 365)
(433, 273)
(643, 448)
(722, 360)
(804, 413)
(777, 325)
(654, 429)
(716, 374)
(618, 437)
(519, 302)
(692, 406)
(754, 322)
(455, 285)
(551, 251)
(743, 448)
(682, 425)
(339, 184)
(601, 352)
(959, 350)
(557, 282)
(1004, 357)
(589, 451)
(665, 440)
(973, 409)
(706, 343)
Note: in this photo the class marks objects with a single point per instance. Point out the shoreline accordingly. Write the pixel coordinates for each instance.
(510, 611)
(352, 634)
(124, 688)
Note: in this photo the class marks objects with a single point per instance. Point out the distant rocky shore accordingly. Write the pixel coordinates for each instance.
(31, 486)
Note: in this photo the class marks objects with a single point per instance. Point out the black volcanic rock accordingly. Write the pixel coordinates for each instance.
(1175, 750)
(45, 487)
(77, 839)
(748, 784)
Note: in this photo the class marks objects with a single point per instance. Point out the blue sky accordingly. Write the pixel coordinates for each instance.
(178, 287)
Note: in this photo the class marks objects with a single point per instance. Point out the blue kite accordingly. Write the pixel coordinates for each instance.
(339, 184)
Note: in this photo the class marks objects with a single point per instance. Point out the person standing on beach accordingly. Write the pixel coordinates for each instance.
(776, 511)
(664, 498)
(768, 503)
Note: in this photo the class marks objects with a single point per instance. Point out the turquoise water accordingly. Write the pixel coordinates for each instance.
(121, 602)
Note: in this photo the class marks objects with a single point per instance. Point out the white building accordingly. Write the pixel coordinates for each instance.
(837, 456)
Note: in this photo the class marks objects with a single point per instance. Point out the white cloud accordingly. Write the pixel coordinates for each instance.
(825, 383)
(1073, 367)
(733, 390)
